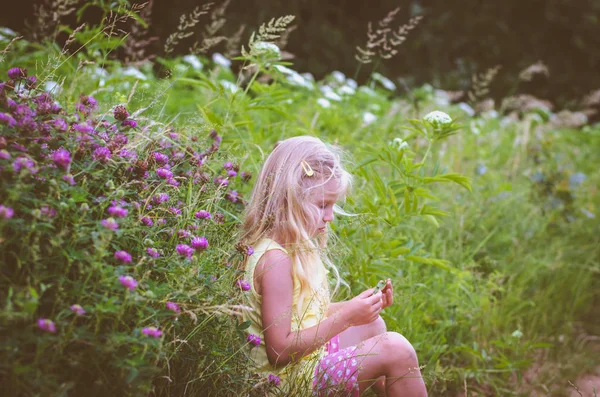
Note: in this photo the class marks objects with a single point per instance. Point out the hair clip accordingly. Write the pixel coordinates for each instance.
(307, 170)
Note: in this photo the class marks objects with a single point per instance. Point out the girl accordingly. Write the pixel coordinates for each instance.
(342, 347)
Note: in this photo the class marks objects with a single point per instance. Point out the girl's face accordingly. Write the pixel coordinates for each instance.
(324, 197)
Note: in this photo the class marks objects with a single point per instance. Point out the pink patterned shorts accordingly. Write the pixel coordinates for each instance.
(337, 373)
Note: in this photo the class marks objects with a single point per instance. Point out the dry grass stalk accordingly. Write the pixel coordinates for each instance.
(210, 38)
(47, 16)
(384, 41)
(138, 42)
(528, 73)
(232, 47)
(184, 29)
(270, 31)
(7, 48)
(481, 83)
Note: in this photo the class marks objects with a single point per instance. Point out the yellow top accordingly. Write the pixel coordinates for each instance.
(313, 311)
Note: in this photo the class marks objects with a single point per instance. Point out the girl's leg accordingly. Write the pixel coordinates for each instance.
(355, 335)
(392, 356)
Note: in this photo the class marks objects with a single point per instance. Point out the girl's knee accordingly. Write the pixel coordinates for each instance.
(377, 327)
(399, 348)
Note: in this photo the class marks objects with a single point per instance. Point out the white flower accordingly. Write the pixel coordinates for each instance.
(221, 60)
(52, 87)
(228, 85)
(441, 98)
(385, 82)
(465, 107)
(399, 144)
(284, 69)
(266, 49)
(338, 76)
(308, 77)
(329, 94)
(367, 90)
(437, 118)
(194, 61)
(347, 90)
(352, 83)
(133, 72)
(368, 118)
(324, 103)
(294, 77)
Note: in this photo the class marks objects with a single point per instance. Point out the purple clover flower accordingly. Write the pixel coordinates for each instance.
(110, 224)
(69, 179)
(60, 125)
(24, 162)
(160, 158)
(254, 339)
(8, 120)
(221, 181)
(123, 256)
(175, 211)
(17, 73)
(231, 173)
(152, 331)
(77, 309)
(46, 325)
(120, 112)
(147, 221)
(128, 282)
(245, 176)
(199, 243)
(83, 128)
(117, 211)
(173, 182)
(173, 306)
(185, 250)
(232, 196)
(153, 252)
(250, 251)
(47, 211)
(182, 233)
(228, 165)
(4, 155)
(274, 379)
(244, 285)
(160, 198)
(164, 173)
(6, 212)
(62, 158)
(102, 154)
(129, 123)
(202, 214)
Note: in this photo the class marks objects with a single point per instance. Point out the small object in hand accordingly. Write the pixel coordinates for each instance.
(380, 285)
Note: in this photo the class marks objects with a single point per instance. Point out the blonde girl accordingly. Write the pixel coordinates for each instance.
(343, 348)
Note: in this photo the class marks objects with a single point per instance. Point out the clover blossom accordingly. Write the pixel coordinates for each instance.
(160, 198)
(110, 224)
(4, 155)
(77, 309)
(8, 120)
(185, 250)
(62, 158)
(173, 306)
(199, 243)
(274, 379)
(147, 221)
(69, 179)
(152, 331)
(245, 176)
(244, 285)
(164, 173)
(117, 211)
(46, 325)
(232, 196)
(228, 165)
(160, 158)
(254, 339)
(182, 233)
(128, 282)
(102, 154)
(123, 256)
(202, 214)
(250, 251)
(129, 123)
(120, 113)
(231, 173)
(153, 252)
(6, 212)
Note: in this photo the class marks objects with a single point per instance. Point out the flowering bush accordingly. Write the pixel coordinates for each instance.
(109, 226)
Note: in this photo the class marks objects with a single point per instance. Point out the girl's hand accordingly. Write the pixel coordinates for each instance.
(387, 294)
(364, 308)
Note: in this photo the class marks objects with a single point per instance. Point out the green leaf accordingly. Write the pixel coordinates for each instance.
(431, 219)
(440, 263)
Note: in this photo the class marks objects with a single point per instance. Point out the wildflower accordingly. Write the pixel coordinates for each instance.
(160, 158)
(123, 256)
(232, 196)
(4, 155)
(182, 233)
(117, 211)
(324, 103)
(267, 50)
(202, 214)
(164, 173)
(221, 181)
(62, 158)
(160, 198)
(399, 143)
(120, 113)
(245, 176)
(153, 252)
(175, 211)
(152, 331)
(173, 182)
(185, 250)
(254, 339)
(244, 285)
(24, 162)
(31, 82)
(228, 165)
(7, 119)
(199, 243)
(69, 179)
(6, 212)
(231, 173)
(274, 379)
(47, 211)
(128, 282)
(17, 73)
(162, 221)
(147, 221)
(368, 118)
(110, 224)
(129, 123)
(80, 311)
(221, 60)
(219, 218)
(194, 61)
(385, 82)
(437, 118)
(250, 251)
(46, 325)
(102, 154)
(173, 306)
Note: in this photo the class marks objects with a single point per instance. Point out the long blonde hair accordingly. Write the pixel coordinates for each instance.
(280, 209)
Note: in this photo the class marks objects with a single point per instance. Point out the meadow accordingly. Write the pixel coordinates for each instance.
(123, 187)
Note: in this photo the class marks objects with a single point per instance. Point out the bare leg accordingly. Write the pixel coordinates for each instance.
(355, 335)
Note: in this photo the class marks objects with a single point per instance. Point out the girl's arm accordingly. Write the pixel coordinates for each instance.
(334, 307)
(274, 276)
